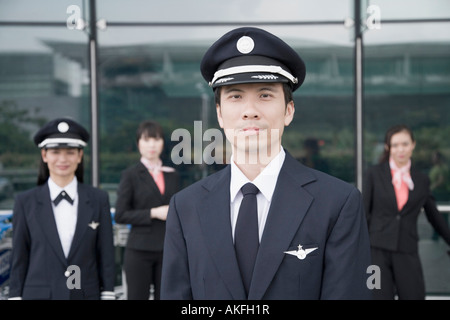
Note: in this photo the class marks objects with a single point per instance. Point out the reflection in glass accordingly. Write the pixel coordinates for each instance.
(162, 81)
(43, 75)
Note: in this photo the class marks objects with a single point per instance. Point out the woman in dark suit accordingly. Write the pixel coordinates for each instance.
(62, 230)
(394, 194)
(143, 199)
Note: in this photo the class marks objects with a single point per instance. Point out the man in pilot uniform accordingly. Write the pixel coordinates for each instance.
(302, 233)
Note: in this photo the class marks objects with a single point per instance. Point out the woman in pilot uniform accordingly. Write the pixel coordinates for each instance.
(62, 229)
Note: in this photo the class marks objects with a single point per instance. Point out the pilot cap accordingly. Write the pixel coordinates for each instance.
(247, 55)
(61, 133)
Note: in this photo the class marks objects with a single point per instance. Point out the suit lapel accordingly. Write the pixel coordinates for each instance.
(147, 180)
(214, 215)
(290, 203)
(388, 186)
(46, 220)
(84, 217)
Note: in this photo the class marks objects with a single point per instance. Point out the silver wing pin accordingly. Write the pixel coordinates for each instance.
(300, 252)
(93, 225)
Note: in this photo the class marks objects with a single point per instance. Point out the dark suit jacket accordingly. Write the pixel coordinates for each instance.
(136, 195)
(395, 230)
(308, 208)
(38, 262)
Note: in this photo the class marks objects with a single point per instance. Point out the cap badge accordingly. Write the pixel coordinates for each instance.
(245, 45)
(63, 127)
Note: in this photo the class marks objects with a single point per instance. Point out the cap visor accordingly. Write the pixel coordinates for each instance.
(252, 77)
(53, 143)
(62, 146)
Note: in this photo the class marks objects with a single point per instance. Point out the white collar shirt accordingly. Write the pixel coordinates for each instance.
(65, 213)
(265, 182)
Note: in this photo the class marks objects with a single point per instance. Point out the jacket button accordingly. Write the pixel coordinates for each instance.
(398, 217)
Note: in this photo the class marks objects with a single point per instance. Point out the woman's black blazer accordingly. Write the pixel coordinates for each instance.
(136, 195)
(390, 228)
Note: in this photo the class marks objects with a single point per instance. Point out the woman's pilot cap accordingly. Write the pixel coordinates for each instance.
(61, 133)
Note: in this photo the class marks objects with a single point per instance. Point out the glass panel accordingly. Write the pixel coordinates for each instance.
(43, 75)
(153, 72)
(223, 11)
(425, 33)
(412, 9)
(147, 78)
(42, 10)
(407, 80)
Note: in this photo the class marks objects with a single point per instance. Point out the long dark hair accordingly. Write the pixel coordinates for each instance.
(44, 173)
(387, 139)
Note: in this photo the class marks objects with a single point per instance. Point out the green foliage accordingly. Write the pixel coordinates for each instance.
(112, 164)
(20, 160)
(14, 138)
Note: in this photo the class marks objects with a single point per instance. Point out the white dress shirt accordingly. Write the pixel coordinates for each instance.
(265, 182)
(65, 213)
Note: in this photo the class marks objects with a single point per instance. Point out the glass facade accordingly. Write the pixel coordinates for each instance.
(147, 67)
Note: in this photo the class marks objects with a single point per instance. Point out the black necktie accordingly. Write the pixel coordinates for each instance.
(62, 195)
(246, 238)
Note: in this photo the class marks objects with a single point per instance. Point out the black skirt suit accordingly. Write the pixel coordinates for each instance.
(136, 195)
(393, 233)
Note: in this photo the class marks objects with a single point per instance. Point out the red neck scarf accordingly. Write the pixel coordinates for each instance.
(401, 179)
(156, 170)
